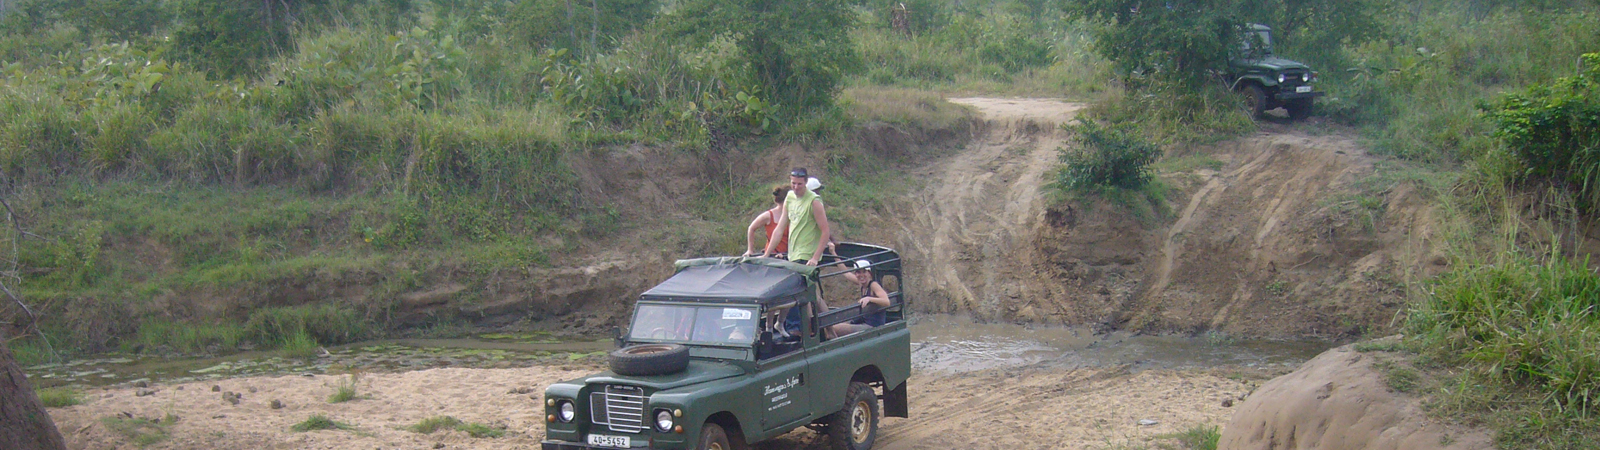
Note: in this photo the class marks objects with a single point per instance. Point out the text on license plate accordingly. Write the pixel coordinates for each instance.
(602, 440)
(1302, 89)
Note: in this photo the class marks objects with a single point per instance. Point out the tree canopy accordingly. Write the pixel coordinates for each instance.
(798, 50)
(1185, 40)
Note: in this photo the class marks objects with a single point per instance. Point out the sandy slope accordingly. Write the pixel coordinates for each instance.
(1028, 408)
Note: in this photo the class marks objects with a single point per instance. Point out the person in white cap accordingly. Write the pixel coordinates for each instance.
(873, 298)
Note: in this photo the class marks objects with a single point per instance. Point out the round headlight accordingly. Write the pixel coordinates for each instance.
(566, 411)
(1282, 78)
(663, 420)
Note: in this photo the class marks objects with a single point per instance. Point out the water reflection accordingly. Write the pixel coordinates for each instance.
(943, 343)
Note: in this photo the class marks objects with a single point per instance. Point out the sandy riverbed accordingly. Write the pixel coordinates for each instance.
(1020, 408)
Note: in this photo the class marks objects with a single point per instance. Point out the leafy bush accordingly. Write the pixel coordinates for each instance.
(1110, 156)
(231, 39)
(1554, 130)
(795, 52)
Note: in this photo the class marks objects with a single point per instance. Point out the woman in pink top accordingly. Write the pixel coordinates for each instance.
(766, 222)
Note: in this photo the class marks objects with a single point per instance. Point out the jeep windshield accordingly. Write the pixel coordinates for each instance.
(720, 325)
(1257, 39)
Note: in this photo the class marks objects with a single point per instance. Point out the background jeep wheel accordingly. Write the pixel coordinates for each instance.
(712, 437)
(1299, 108)
(856, 426)
(649, 359)
(1256, 99)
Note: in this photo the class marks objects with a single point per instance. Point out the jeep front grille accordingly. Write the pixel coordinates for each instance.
(1295, 77)
(619, 407)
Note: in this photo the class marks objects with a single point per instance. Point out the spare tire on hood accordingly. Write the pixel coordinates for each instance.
(649, 359)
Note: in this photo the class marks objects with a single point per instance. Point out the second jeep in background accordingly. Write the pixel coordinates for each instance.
(1267, 81)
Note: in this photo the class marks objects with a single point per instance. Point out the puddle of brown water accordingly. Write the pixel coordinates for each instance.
(385, 355)
(944, 343)
(940, 343)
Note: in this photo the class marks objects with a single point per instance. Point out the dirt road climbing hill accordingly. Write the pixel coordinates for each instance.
(1283, 233)
(980, 209)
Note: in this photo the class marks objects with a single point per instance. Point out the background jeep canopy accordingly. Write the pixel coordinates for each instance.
(731, 279)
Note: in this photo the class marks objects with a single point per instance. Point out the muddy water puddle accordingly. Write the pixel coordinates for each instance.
(482, 351)
(953, 344)
(940, 343)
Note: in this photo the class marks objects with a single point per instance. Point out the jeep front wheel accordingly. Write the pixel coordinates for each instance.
(1256, 99)
(856, 426)
(650, 359)
(713, 437)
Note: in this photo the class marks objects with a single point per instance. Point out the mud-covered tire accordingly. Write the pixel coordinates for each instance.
(713, 437)
(856, 426)
(1255, 98)
(1299, 109)
(649, 359)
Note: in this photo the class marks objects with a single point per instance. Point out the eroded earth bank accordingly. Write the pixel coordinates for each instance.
(1279, 235)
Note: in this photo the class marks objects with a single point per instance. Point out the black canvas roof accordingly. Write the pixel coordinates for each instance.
(732, 279)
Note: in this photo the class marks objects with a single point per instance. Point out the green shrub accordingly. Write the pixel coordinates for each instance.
(1554, 131)
(1109, 156)
(346, 390)
(39, 138)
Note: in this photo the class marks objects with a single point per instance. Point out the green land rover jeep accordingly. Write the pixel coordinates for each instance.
(714, 359)
(1268, 81)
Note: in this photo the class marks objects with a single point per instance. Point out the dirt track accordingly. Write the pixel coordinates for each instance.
(1280, 234)
(1027, 408)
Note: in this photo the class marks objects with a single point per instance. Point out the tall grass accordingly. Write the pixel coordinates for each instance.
(1417, 92)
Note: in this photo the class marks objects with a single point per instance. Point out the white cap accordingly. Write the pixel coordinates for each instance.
(813, 184)
(862, 263)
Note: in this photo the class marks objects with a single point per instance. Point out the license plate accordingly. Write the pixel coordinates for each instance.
(1302, 89)
(601, 440)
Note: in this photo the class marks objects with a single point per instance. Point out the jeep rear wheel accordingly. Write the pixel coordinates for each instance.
(713, 437)
(650, 359)
(1299, 108)
(856, 426)
(1255, 98)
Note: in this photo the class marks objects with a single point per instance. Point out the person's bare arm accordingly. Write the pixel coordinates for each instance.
(782, 227)
(879, 297)
(819, 213)
(750, 235)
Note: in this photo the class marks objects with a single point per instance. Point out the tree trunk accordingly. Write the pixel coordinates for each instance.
(24, 425)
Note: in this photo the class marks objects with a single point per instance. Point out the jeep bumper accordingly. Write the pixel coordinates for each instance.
(564, 445)
(1281, 96)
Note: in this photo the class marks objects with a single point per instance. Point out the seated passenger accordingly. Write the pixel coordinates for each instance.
(874, 299)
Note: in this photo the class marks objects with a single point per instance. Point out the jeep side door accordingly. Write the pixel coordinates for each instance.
(781, 384)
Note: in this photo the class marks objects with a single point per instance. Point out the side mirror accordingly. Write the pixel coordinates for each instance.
(619, 336)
